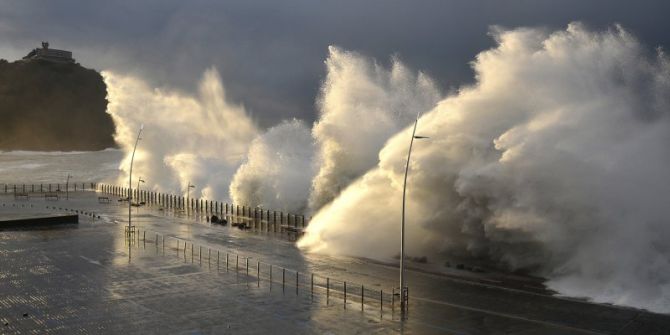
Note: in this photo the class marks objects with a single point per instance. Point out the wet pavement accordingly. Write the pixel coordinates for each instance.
(89, 278)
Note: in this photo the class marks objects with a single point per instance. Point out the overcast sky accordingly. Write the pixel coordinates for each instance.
(270, 53)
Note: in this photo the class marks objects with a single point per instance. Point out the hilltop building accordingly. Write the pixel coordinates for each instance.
(51, 55)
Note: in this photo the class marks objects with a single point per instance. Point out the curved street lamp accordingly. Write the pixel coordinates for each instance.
(403, 289)
(130, 179)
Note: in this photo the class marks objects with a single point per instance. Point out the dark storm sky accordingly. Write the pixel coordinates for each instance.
(270, 53)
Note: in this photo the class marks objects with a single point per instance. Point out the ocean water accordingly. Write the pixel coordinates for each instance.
(34, 167)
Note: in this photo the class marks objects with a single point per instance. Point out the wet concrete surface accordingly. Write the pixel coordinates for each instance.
(91, 279)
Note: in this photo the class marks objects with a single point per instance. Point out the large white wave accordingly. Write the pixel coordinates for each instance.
(278, 170)
(555, 160)
(360, 106)
(187, 139)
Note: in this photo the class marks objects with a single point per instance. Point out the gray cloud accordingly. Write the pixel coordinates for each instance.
(270, 53)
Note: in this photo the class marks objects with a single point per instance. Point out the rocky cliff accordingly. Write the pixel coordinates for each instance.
(50, 106)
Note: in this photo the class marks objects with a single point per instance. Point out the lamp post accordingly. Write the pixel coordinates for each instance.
(67, 187)
(403, 295)
(140, 180)
(130, 179)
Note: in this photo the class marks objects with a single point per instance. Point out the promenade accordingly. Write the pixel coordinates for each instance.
(172, 277)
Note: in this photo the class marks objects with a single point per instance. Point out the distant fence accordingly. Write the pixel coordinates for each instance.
(46, 188)
(347, 293)
(257, 218)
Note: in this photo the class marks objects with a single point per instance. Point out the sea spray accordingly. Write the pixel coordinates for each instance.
(199, 139)
(361, 105)
(278, 170)
(555, 160)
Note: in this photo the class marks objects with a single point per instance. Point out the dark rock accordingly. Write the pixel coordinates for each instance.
(216, 219)
(52, 106)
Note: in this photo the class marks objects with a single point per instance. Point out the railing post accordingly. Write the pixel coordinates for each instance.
(327, 290)
(381, 300)
(362, 297)
(345, 295)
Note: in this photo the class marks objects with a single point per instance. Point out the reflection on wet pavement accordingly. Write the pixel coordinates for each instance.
(171, 277)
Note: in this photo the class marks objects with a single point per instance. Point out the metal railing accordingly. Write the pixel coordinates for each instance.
(346, 292)
(251, 217)
(336, 291)
(47, 188)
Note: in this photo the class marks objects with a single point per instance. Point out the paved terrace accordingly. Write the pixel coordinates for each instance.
(88, 278)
